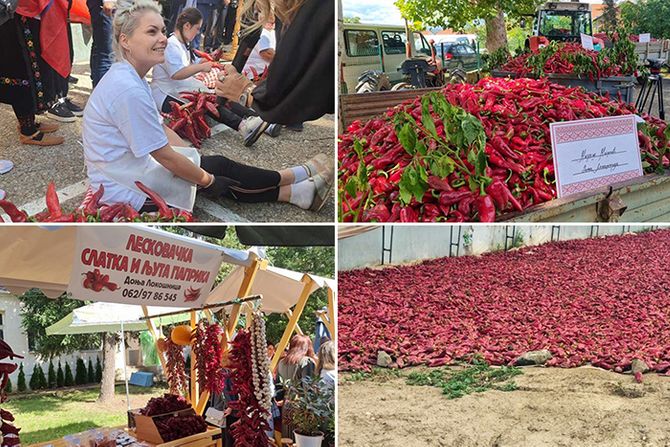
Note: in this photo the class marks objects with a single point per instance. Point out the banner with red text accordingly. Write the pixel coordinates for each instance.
(132, 265)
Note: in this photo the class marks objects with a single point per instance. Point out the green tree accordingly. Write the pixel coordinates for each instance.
(51, 375)
(37, 379)
(39, 312)
(8, 387)
(90, 372)
(647, 16)
(69, 380)
(60, 378)
(609, 17)
(21, 383)
(456, 14)
(80, 373)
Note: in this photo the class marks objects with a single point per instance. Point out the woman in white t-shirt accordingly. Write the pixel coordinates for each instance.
(124, 140)
(262, 54)
(177, 74)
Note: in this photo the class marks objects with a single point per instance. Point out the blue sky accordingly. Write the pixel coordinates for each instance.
(373, 11)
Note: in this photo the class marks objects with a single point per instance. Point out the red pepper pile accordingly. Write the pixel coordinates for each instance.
(92, 211)
(177, 427)
(603, 301)
(188, 120)
(168, 403)
(428, 161)
(175, 367)
(96, 281)
(249, 429)
(207, 349)
(563, 58)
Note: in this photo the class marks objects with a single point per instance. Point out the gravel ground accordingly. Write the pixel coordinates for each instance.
(35, 166)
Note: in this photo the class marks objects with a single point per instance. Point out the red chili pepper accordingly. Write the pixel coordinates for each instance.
(53, 204)
(92, 206)
(501, 195)
(211, 108)
(409, 214)
(13, 212)
(203, 55)
(163, 209)
(485, 208)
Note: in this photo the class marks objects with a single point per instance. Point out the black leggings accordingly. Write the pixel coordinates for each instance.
(231, 113)
(247, 183)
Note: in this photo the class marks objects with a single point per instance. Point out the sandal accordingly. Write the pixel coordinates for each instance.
(320, 163)
(324, 186)
(40, 139)
(44, 127)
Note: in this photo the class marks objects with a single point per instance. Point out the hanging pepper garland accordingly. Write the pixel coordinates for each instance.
(207, 349)
(175, 368)
(260, 363)
(249, 429)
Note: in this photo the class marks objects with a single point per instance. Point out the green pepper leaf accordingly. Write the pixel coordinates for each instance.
(421, 148)
(480, 164)
(352, 186)
(407, 138)
(472, 157)
(442, 166)
(427, 118)
(413, 183)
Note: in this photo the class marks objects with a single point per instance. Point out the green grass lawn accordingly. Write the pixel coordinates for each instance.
(53, 415)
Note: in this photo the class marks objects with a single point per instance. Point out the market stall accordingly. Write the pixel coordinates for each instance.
(142, 267)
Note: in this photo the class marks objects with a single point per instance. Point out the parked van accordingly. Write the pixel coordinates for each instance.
(366, 47)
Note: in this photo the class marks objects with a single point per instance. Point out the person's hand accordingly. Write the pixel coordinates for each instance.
(228, 69)
(206, 67)
(227, 412)
(108, 8)
(232, 86)
(217, 188)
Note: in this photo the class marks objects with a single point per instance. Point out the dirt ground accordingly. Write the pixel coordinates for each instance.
(553, 407)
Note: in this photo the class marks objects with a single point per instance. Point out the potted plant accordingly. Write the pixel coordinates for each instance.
(312, 411)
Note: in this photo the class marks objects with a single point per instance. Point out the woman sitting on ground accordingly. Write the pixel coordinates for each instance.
(124, 140)
(176, 75)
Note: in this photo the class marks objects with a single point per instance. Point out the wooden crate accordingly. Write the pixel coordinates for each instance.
(210, 438)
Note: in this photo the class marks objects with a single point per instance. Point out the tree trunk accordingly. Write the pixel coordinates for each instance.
(108, 367)
(496, 33)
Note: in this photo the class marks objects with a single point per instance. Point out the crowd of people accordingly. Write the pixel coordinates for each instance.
(282, 75)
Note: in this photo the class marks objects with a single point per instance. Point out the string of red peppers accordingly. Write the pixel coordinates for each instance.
(93, 211)
(175, 368)
(188, 120)
(249, 429)
(208, 353)
(515, 115)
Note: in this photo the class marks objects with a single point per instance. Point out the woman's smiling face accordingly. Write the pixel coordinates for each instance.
(145, 47)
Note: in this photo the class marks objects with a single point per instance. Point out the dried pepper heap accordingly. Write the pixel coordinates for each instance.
(250, 429)
(175, 368)
(208, 352)
(173, 427)
(555, 299)
(92, 211)
(470, 152)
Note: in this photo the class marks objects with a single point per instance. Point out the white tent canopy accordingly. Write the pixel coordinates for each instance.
(279, 287)
(108, 317)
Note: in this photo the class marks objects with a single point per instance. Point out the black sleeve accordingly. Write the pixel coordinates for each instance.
(301, 79)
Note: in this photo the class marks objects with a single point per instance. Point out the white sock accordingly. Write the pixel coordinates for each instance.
(300, 173)
(302, 194)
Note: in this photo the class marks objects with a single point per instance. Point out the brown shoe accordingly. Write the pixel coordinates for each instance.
(40, 139)
(44, 127)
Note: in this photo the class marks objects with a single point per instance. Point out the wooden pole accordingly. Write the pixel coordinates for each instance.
(331, 314)
(293, 321)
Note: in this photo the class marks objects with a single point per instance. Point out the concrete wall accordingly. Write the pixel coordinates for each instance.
(415, 242)
(15, 336)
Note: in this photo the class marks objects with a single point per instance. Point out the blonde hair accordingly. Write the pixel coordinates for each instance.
(126, 20)
(326, 358)
(259, 12)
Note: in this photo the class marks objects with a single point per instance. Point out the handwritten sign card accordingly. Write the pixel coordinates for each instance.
(587, 41)
(645, 38)
(590, 154)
